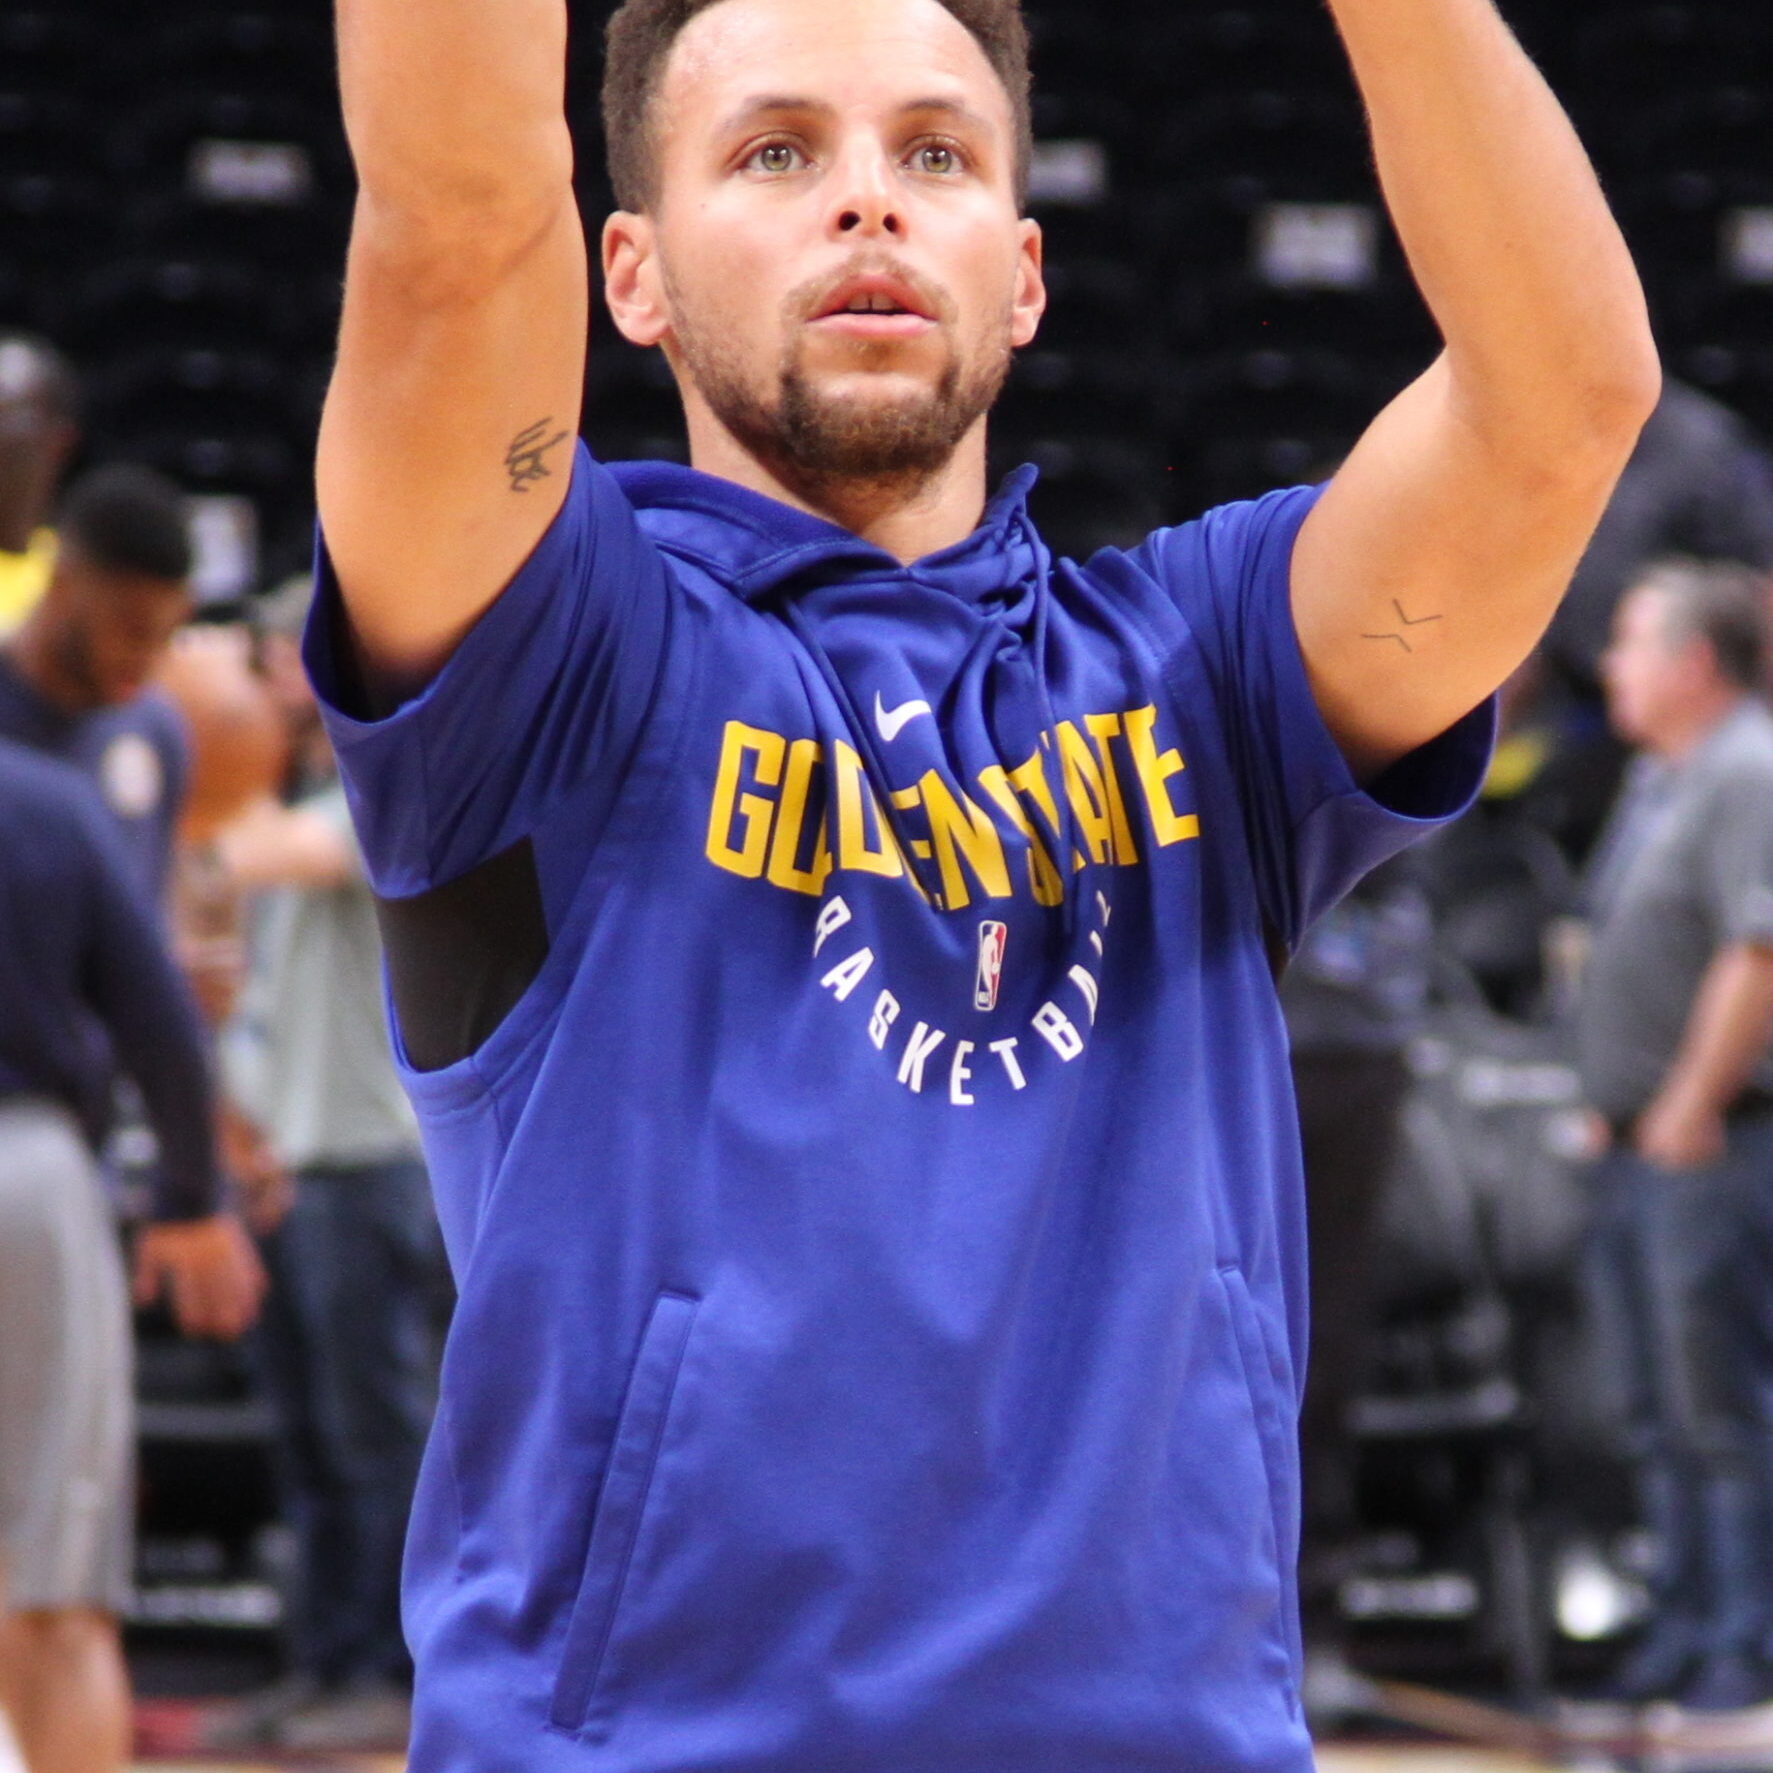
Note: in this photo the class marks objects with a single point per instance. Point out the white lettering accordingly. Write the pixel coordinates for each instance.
(924, 1041)
(1059, 1031)
(1006, 1051)
(832, 918)
(1103, 906)
(886, 1013)
(848, 974)
(959, 1073)
(1096, 942)
(1087, 985)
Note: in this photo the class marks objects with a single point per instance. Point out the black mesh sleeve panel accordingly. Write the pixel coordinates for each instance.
(461, 955)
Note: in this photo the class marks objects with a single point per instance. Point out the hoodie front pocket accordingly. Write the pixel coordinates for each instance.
(579, 1706)
(1274, 1430)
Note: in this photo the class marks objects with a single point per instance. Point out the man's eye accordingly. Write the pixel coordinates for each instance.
(776, 157)
(937, 158)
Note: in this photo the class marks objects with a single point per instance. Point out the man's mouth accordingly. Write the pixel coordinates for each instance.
(874, 306)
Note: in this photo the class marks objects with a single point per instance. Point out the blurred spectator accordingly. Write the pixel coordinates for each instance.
(38, 431)
(1353, 998)
(1497, 877)
(348, 1337)
(74, 680)
(1699, 485)
(84, 975)
(1674, 1023)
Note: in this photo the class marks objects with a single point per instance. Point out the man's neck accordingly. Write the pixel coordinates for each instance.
(1685, 736)
(905, 519)
(28, 653)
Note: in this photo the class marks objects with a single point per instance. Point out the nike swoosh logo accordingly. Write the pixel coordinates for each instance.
(893, 721)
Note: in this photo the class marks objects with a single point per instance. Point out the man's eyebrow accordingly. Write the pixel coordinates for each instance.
(772, 104)
(947, 107)
(769, 104)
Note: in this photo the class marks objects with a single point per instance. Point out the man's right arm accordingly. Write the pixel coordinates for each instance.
(447, 442)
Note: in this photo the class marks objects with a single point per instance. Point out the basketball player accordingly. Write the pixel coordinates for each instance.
(829, 937)
(87, 989)
(75, 678)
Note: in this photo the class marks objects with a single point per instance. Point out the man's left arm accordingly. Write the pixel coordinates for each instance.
(1727, 1035)
(1434, 561)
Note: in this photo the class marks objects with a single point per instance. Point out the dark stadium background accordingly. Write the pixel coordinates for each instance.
(1229, 308)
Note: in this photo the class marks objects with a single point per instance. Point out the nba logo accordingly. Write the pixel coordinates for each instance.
(992, 938)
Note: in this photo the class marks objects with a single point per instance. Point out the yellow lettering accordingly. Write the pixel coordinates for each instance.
(1043, 873)
(856, 806)
(1155, 769)
(1088, 795)
(1102, 728)
(803, 759)
(960, 828)
(751, 812)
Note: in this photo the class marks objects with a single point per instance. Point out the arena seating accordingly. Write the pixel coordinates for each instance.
(174, 201)
(174, 197)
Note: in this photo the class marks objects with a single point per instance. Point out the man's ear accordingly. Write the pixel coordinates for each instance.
(632, 283)
(1031, 290)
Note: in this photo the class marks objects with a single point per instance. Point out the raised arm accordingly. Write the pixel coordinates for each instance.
(446, 445)
(1438, 555)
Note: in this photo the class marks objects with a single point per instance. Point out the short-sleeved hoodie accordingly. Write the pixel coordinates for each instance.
(878, 1222)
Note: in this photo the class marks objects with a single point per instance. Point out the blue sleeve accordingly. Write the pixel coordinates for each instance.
(546, 696)
(139, 994)
(1313, 830)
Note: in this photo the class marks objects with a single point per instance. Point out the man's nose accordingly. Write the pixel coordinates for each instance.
(867, 197)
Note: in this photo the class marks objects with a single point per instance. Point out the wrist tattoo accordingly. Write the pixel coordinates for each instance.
(526, 461)
(1406, 622)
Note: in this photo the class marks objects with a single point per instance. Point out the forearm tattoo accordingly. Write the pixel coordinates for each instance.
(1405, 622)
(526, 461)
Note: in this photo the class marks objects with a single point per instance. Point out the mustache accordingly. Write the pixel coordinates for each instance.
(805, 299)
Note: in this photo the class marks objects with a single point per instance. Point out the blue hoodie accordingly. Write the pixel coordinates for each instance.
(878, 1223)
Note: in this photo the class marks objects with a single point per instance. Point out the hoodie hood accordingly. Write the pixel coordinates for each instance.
(762, 548)
(973, 622)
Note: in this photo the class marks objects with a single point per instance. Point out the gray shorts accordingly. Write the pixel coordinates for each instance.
(67, 1454)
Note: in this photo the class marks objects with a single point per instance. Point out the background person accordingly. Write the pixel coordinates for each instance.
(349, 1334)
(1674, 1024)
(1698, 485)
(76, 679)
(84, 974)
(39, 429)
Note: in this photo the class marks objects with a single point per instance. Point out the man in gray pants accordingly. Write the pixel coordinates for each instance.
(84, 975)
(1676, 1016)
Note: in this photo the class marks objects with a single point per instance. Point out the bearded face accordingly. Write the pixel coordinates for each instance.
(841, 410)
(835, 263)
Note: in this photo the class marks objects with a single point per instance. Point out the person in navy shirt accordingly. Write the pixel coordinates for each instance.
(830, 939)
(74, 680)
(87, 990)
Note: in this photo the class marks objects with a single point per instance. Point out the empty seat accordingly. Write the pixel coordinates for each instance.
(192, 389)
(241, 48)
(155, 145)
(1103, 392)
(1250, 421)
(46, 131)
(1719, 129)
(50, 49)
(177, 224)
(1269, 145)
(145, 304)
(1641, 54)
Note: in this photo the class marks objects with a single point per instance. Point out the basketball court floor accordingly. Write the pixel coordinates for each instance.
(1330, 1760)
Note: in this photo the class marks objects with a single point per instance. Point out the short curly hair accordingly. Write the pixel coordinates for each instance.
(639, 39)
